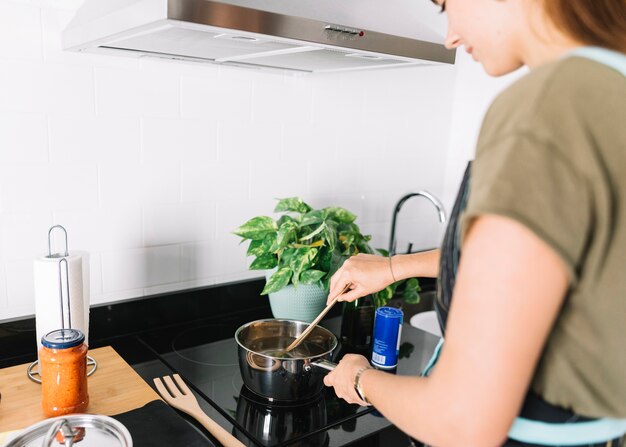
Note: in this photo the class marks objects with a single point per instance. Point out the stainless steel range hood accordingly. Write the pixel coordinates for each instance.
(298, 35)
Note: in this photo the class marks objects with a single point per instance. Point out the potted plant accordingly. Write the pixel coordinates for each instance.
(302, 249)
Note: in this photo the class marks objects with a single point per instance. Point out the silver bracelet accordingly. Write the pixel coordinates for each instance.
(391, 270)
(357, 384)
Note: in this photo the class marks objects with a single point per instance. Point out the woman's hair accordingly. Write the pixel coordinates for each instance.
(594, 22)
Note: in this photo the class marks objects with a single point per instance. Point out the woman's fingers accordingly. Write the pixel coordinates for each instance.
(353, 293)
(342, 379)
(367, 274)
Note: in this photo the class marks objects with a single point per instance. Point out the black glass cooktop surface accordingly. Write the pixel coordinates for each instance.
(205, 355)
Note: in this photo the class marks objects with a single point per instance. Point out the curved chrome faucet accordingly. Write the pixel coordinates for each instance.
(434, 200)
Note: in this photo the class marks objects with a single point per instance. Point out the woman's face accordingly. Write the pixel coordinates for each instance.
(489, 30)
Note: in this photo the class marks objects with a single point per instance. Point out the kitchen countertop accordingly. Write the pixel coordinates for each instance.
(135, 330)
(113, 388)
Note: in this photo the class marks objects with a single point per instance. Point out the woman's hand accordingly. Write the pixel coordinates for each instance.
(367, 274)
(342, 378)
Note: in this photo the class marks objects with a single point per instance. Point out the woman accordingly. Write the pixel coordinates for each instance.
(536, 260)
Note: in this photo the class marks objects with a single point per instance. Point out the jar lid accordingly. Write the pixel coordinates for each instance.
(92, 430)
(63, 338)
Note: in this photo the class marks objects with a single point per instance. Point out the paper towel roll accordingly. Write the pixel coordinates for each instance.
(48, 294)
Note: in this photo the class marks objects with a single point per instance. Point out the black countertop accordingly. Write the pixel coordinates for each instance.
(143, 332)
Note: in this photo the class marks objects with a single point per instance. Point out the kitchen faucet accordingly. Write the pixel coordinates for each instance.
(434, 200)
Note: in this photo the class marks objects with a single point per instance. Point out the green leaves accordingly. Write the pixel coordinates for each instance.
(286, 234)
(277, 281)
(305, 245)
(313, 218)
(341, 215)
(264, 262)
(410, 293)
(302, 260)
(407, 289)
(311, 276)
(294, 204)
(256, 228)
(313, 233)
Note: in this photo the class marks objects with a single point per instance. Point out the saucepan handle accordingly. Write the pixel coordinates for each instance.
(324, 364)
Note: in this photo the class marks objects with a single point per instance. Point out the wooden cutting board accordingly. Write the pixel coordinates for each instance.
(114, 388)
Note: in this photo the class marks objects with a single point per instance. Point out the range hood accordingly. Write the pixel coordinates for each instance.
(295, 35)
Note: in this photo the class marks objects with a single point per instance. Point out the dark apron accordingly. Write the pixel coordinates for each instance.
(534, 407)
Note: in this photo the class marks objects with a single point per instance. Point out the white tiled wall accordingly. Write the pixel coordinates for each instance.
(150, 165)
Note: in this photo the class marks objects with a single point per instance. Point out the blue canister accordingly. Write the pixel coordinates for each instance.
(386, 343)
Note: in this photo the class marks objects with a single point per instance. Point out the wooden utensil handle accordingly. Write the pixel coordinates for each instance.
(311, 326)
(215, 429)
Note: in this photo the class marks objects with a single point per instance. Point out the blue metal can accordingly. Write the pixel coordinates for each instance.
(386, 343)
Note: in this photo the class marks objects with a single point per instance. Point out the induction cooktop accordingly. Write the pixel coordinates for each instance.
(205, 355)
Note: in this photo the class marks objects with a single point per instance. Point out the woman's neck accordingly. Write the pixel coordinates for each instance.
(543, 54)
(543, 42)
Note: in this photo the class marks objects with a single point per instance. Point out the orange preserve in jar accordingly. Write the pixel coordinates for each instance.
(63, 371)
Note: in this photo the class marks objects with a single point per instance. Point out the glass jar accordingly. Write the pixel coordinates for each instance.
(63, 371)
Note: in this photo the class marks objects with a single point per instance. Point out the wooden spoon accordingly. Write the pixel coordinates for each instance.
(308, 330)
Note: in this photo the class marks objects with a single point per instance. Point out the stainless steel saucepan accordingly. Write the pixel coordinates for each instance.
(293, 376)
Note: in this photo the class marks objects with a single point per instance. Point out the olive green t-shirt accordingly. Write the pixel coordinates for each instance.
(552, 155)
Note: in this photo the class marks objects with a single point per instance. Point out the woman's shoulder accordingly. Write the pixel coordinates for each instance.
(571, 86)
(563, 76)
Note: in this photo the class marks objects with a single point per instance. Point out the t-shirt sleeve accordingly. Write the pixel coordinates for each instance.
(523, 178)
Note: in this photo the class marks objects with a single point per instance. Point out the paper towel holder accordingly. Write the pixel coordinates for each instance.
(62, 261)
(57, 255)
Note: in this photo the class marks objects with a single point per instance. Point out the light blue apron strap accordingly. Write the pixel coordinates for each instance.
(613, 59)
(554, 434)
(433, 358)
(567, 434)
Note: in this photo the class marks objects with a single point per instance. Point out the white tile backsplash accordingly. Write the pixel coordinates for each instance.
(304, 142)
(54, 18)
(174, 140)
(330, 178)
(25, 187)
(23, 138)
(231, 214)
(241, 143)
(21, 86)
(274, 178)
(68, 89)
(169, 224)
(20, 30)
(146, 93)
(196, 262)
(214, 181)
(134, 269)
(339, 102)
(24, 236)
(162, 265)
(20, 287)
(152, 164)
(80, 138)
(222, 99)
(3, 292)
(95, 278)
(120, 184)
(72, 186)
(160, 183)
(275, 100)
